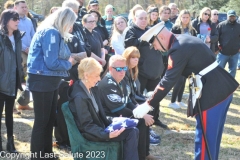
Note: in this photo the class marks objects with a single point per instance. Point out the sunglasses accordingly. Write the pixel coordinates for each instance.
(206, 14)
(119, 69)
(15, 19)
(215, 14)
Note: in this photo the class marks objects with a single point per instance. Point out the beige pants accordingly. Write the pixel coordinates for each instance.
(24, 63)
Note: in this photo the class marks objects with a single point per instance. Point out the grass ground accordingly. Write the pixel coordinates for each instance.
(176, 144)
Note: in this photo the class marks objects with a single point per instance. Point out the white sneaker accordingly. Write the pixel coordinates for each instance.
(182, 105)
(174, 105)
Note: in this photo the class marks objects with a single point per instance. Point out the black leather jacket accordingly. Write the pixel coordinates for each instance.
(214, 32)
(90, 123)
(150, 63)
(11, 73)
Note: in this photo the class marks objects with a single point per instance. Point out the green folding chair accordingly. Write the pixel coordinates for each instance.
(88, 150)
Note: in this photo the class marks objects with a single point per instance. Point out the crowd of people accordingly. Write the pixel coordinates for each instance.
(113, 62)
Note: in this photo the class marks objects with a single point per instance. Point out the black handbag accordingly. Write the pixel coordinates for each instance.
(24, 98)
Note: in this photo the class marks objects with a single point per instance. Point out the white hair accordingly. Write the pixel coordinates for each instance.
(213, 11)
(172, 4)
(71, 4)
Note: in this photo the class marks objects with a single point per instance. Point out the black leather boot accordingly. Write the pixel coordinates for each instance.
(10, 145)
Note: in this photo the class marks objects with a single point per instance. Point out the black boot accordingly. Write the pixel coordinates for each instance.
(10, 145)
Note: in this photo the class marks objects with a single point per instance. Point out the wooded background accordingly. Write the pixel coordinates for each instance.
(123, 6)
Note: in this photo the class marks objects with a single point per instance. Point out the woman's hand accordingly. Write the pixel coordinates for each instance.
(105, 51)
(207, 39)
(116, 133)
(72, 60)
(105, 42)
(148, 119)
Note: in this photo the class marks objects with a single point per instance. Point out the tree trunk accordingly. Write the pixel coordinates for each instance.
(32, 4)
(128, 6)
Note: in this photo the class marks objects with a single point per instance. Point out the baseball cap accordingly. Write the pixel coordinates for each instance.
(92, 2)
(231, 13)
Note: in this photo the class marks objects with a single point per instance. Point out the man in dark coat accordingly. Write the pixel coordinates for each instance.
(229, 43)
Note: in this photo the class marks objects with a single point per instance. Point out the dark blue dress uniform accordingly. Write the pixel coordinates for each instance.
(187, 55)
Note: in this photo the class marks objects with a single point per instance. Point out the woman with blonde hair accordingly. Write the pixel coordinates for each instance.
(182, 26)
(48, 61)
(206, 30)
(132, 13)
(118, 34)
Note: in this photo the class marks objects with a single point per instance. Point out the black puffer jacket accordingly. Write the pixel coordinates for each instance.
(214, 32)
(150, 63)
(11, 72)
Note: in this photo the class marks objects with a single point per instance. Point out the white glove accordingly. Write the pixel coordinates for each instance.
(141, 110)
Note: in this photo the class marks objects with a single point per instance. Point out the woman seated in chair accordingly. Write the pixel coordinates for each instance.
(89, 115)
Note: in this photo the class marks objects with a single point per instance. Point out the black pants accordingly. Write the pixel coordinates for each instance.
(9, 103)
(144, 141)
(130, 143)
(149, 84)
(45, 105)
(178, 89)
(60, 131)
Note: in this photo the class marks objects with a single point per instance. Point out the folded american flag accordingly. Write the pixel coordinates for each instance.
(119, 122)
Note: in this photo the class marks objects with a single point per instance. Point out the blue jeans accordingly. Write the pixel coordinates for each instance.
(238, 65)
(231, 60)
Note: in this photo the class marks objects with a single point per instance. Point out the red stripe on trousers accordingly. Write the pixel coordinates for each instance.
(204, 118)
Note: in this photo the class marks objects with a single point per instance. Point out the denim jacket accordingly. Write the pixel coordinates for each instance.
(48, 54)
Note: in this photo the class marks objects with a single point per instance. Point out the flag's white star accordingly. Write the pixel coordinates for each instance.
(110, 128)
(124, 124)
